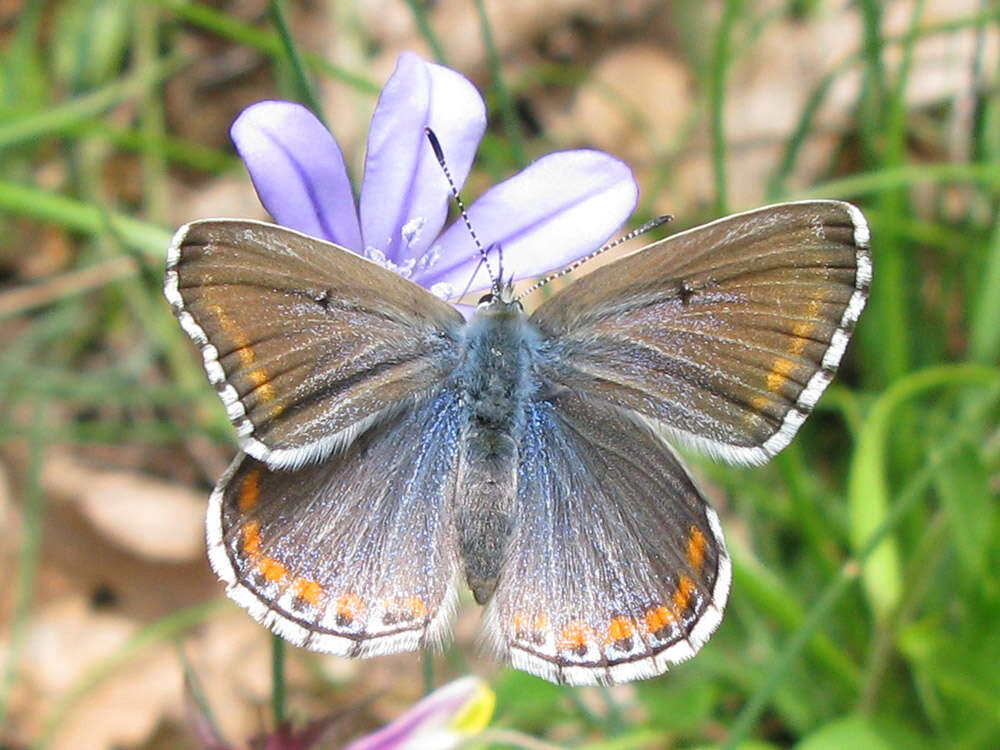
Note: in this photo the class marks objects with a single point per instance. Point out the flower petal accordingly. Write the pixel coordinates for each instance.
(404, 196)
(448, 715)
(298, 171)
(559, 208)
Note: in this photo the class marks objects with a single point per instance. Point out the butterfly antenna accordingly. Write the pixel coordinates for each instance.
(651, 224)
(468, 284)
(439, 155)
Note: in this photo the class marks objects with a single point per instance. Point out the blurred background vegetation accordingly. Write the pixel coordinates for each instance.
(866, 598)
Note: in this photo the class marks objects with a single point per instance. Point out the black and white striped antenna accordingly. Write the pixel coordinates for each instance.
(651, 224)
(495, 279)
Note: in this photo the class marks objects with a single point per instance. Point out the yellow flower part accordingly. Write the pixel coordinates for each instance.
(475, 715)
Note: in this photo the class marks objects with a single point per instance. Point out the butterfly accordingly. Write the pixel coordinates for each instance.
(393, 453)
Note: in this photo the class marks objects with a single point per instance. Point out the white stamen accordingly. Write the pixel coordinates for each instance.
(376, 256)
(443, 290)
(404, 269)
(429, 259)
(411, 230)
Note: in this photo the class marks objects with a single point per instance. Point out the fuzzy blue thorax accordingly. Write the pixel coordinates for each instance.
(497, 381)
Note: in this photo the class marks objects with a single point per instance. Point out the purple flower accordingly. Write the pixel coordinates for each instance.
(442, 720)
(560, 207)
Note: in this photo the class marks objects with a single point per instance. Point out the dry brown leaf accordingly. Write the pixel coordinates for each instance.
(633, 104)
(148, 517)
(515, 26)
(231, 195)
(67, 639)
(230, 657)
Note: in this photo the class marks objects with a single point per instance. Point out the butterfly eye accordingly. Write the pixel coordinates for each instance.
(486, 298)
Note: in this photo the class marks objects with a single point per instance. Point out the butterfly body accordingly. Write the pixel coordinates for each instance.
(496, 381)
(391, 450)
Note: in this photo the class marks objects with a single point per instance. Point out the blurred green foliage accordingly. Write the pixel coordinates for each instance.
(866, 599)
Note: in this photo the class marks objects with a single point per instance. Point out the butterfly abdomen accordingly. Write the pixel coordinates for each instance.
(496, 383)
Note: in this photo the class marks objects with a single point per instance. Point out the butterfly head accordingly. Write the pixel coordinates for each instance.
(500, 301)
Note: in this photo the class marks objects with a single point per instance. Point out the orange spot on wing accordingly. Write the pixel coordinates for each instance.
(271, 569)
(308, 590)
(262, 386)
(758, 403)
(801, 332)
(620, 629)
(659, 618)
(251, 538)
(246, 355)
(349, 606)
(575, 637)
(416, 607)
(241, 346)
(249, 491)
(682, 596)
(530, 628)
(696, 548)
(780, 370)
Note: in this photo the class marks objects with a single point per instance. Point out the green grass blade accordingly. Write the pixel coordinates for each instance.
(984, 328)
(80, 216)
(868, 487)
(717, 101)
(877, 181)
(850, 571)
(218, 22)
(419, 10)
(59, 118)
(306, 91)
(508, 115)
(28, 556)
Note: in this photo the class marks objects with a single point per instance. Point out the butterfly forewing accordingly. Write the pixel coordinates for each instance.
(354, 555)
(724, 335)
(618, 567)
(306, 342)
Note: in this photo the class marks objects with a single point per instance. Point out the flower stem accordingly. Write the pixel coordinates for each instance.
(278, 679)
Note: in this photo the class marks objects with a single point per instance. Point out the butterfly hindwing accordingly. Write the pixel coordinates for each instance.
(617, 566)
(306, 343)
(354, 555)
(724, 335)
